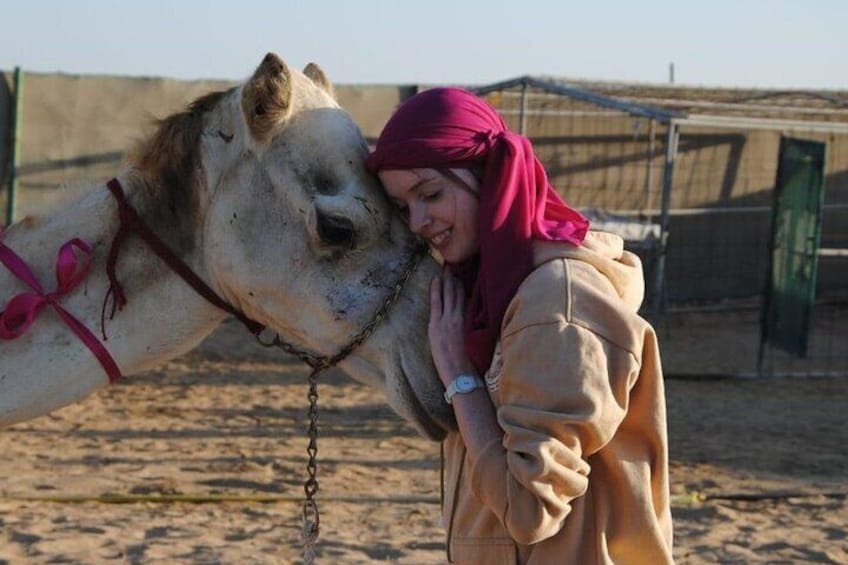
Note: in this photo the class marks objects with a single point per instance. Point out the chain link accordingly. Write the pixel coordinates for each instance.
(311, 517)
(311, 520)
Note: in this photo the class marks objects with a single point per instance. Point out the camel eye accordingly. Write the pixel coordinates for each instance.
(336, 231)
(325, 185)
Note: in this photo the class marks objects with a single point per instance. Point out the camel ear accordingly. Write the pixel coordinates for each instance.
(266, 97)
(317, 76)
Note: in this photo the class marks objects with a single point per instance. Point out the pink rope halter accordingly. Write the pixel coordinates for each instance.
(21, 310)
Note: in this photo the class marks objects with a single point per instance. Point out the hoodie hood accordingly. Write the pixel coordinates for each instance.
(605, 252)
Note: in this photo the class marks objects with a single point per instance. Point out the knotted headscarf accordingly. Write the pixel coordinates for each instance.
(453, 128)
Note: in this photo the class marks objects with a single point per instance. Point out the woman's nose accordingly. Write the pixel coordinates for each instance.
(418, 217)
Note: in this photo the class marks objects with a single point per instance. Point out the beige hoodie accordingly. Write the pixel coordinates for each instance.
(581, 473)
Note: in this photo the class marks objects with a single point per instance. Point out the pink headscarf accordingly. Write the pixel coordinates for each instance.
(453, 128)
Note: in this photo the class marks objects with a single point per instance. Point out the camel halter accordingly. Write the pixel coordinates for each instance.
(131, 221)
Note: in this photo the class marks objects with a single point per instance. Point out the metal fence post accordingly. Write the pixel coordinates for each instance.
(668, 175)
(16, 146)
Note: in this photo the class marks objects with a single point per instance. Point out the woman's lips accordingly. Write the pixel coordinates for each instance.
(440, 239)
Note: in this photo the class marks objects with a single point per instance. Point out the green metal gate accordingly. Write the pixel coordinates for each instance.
(796, 232)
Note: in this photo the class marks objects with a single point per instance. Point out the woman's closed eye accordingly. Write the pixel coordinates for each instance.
(432, 196)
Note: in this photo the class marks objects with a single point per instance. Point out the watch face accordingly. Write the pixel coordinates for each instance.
(465, 383)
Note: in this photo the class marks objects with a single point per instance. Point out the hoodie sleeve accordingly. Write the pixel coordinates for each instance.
(563, 391)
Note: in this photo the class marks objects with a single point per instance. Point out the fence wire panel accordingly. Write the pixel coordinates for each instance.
(605, 162)
(595, 157)
(610, 164)
(724, 341)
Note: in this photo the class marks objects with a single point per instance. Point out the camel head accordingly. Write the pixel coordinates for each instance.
(300, 237)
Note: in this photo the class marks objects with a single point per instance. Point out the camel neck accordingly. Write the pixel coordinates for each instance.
(163, 317)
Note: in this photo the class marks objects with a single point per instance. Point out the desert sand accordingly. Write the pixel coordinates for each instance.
(209, 451)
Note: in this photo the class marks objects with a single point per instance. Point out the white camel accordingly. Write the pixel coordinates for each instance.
(261, 191)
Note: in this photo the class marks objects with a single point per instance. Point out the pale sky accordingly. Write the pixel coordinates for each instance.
(743, 43)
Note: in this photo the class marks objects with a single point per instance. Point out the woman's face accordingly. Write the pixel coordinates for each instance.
(438, 208)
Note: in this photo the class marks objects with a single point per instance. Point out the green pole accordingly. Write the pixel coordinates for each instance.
(16, 145)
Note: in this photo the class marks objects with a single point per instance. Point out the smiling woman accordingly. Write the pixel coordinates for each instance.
(554, 379)
(440, 206)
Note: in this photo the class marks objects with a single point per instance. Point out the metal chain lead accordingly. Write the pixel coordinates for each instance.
(322, 362)
(311, 517)
(311, 520)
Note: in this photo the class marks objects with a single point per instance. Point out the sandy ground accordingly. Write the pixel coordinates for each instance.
(758, 470)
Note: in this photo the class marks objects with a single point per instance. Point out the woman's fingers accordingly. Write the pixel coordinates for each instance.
(459, 297)
(453, 297)
(447, 300)
(436, 298)
(445, 328)
(448, 294)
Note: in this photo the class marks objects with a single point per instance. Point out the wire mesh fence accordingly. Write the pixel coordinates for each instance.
(610, 163)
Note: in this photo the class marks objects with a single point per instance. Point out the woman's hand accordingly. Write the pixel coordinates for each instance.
(447, 314)
(475, 413)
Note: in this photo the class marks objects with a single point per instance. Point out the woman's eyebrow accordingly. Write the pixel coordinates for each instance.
(421, 183)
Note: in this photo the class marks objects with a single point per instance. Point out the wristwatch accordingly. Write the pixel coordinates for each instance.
(463, 384)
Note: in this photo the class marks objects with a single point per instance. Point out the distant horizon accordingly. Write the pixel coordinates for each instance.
(567, 80)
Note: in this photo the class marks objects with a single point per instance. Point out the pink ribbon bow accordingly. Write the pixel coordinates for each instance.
(22, 309)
